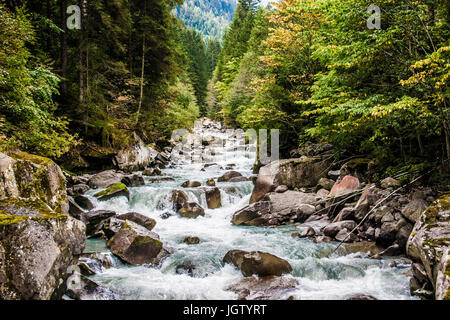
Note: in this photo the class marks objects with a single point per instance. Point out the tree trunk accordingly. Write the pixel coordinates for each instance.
(141, 95)
(64, 47)
(447, 137)
(419, 141)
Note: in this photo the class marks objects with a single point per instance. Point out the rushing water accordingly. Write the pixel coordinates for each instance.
(321, 274)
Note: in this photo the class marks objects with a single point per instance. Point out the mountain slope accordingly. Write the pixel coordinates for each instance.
(209, 17)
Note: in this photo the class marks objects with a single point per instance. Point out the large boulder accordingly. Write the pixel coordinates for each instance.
(113, 191)
(37, 246)
(105, 179)
(275, 209)
(414, 209)
(23, 175)
(264, 288)
(294, 173)
(227, 176)
(213, 198)
(349, 184)
(429, 243)
(191, 210)
(137, 156)
(84, 202)
(334, 228)
(140, 219)
(133, 180)
(95, 219)
(257, 262)
(191, 184)
(179, 199)
(136, 245)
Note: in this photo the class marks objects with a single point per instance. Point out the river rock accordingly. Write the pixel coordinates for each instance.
(333, 229)
(75, 210)
(213, 198)
(133, 180)
(238, 179)
(390, 182)
(84, 202)
(349, 184)
(344, 235)
(94, 220)
(229, 175)
(105, 179)
(114, 191)
(80, 189)
(191, 184)
(274, 209)
(281, 189)
(179, 199)
(257, 262)
(27, 176)
(369, 198)
(294, 173)
(414, 209)
(211, 182)
(429, 244)
(148, 172)
(136, 245)
(135, 157)
(397, 230)
(322, 239)
(345, 214)
(191, 210)
(97, 262)
(87, 289)
(37, 245)
(368, 247)
(263, 288)
(144, 221)
(326, 183)
(187, 268)
(191, 240)
(307, 233)
(393, 250)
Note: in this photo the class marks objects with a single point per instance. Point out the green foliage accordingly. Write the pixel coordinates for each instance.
(318, 73)
(27, 91)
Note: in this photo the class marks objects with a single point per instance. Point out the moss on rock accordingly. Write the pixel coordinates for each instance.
(15, 210)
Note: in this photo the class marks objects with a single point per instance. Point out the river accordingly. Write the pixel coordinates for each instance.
(321, 274)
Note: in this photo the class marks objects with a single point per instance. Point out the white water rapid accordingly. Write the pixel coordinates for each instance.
(321, 275)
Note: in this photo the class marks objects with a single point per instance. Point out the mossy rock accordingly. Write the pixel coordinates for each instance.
(34, 177)
(114, 191)
(13, 211)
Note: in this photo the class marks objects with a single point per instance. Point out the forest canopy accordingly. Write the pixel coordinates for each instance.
(316, 71)
(313, 69)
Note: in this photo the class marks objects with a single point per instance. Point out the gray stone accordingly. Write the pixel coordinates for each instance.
(41, 245)
(294, 173)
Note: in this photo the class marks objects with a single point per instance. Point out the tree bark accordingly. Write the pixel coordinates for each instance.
(63, 8)
(141, 95)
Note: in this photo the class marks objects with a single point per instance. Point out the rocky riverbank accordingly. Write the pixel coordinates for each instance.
(47, 215)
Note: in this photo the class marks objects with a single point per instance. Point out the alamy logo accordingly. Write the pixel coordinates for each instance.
(74, 20)
(374, 21)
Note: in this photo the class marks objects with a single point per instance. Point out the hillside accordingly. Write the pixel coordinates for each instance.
(209, 17)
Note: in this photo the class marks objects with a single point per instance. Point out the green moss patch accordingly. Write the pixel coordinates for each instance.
(15, 210)
(20, 155)
(112, 189)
